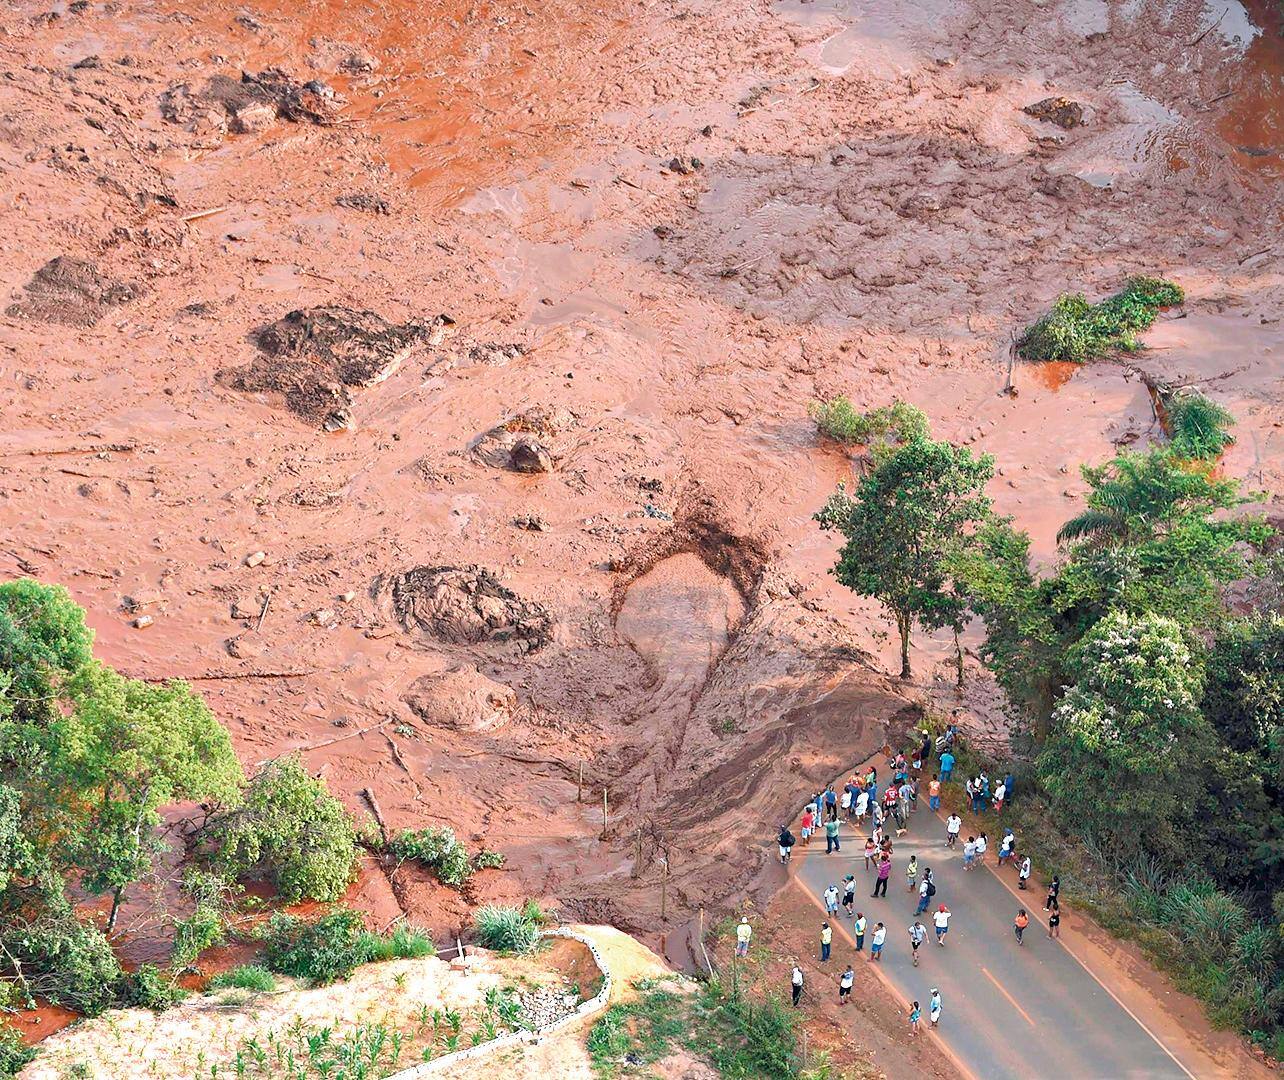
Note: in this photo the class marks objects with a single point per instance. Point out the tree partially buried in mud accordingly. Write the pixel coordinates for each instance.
(903, 525)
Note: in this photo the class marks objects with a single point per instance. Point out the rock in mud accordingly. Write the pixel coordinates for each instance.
(71, 292)
(316, 357)
(529, 455)
(525, 442)
(462, 699)
(467, 605)
(253, 118)
(1057, 110)
(683, 165)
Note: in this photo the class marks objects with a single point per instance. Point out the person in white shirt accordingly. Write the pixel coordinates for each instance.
(876, 942)
(981, 844)
(941, 920)
(743, 933)
(862, 805)
(1023, 874)
(796, 984)
(953, 824)
(969, 853)
(831, 900)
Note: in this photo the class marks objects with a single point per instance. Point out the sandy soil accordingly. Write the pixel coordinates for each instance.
(872, 213)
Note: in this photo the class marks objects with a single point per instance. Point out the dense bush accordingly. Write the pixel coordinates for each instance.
(1076, 330)
(508, 929)
(878, 428)
(1197, 426)
(245, 977)
(147, 988)
(334, 945)
(66, 961)
(14, 1053)
(488, 860)
(438, 849)
(291, 830)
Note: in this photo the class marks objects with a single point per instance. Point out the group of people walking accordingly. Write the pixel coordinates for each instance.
(887, 818)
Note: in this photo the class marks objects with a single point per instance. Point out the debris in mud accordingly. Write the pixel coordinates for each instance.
(467, 606)
(315, 357)
(753, 97)
(71, 292)
(462, 699)
(684, 166)
(362, 200)
(523, 443)
(253, 103)
(1057, 110)
(531, 523)
(494, 353)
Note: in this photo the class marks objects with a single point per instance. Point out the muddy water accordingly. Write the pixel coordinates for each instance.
(679, 617)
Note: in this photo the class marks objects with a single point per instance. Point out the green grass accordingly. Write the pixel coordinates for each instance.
(508, 929)
(331, 947)
(246, 977)
(741, 1035)
(1078, 331)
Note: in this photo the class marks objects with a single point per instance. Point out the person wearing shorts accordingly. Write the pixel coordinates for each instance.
(876, 942)
(917, 934)
(845, 981)
(941, 920)
(969, 853)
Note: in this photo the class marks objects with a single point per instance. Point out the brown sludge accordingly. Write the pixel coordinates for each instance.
(579, 530)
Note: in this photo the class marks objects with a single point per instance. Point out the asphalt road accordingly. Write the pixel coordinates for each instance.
(1007, 1010)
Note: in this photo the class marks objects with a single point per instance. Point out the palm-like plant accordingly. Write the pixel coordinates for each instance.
(1141, 496)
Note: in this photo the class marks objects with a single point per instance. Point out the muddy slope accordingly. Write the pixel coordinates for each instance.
(674, 223)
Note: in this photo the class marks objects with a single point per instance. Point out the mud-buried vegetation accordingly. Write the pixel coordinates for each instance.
(1077, 331)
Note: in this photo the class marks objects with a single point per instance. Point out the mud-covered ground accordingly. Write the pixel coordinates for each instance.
(532, 491)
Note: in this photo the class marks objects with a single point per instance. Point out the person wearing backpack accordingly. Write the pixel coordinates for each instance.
(786, 841)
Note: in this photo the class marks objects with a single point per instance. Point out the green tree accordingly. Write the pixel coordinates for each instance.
(126, 749)
(43, 642)
(291, 829)
(904, 526)
(1123, 736)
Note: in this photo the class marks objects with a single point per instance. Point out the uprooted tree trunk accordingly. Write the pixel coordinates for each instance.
(903, 623)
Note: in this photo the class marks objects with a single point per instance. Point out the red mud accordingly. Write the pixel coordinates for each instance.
(873, 215)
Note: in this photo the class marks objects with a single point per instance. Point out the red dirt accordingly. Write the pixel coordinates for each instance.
(874, 214)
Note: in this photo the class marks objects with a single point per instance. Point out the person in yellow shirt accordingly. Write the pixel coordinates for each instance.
(826, 938)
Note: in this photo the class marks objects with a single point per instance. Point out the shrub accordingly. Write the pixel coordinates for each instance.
(488, 860)
(333, 946)
(147, 988)
(245, 977)
(1197, 426)
(291, 829)
(1076, 330)
(324, 950)
(66, 961)
(14, 1053)
(438, 849)
(508, 929)
(201, 930)
(879, 428)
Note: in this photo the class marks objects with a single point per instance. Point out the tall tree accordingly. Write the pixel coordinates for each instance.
(124, 750)
(903, 525)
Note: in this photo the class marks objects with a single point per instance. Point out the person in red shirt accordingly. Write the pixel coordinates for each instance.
(934, 793)
(808, 823)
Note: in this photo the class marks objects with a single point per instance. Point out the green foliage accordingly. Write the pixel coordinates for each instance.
(508, 929)
(1126, 725)
(333, 946)
(43, 642)
(1197, 426)
(321, 951)
(246, 977)
(147, 988)
(1244, 698)
(438, 849)
(201, 930)
(741, 1035)
(65, 961)
(907, 522)
(14, 1053)
(879, 428)
(290, 829)
(1078, 331)
(488, 860)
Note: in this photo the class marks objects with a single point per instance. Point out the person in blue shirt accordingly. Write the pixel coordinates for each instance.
(1007, 783)
(947, 766)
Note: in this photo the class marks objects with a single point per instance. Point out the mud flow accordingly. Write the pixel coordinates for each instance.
(440, 374)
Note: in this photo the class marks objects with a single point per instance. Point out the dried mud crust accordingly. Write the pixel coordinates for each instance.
(71, 292)
(315, 358)
(467, 605)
